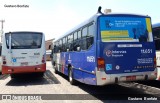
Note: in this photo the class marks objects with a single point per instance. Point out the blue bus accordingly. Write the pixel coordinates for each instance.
(156, 35)
(107, 49)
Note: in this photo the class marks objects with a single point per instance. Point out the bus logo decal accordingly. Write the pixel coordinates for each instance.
(108, 24)
(115, 53)
(108, 66)
(14, 59)
(90, 59)
(108, 53)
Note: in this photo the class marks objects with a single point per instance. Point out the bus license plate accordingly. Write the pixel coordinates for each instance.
(24, 63)
(131, 78)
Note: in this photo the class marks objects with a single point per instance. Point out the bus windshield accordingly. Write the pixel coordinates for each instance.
(27, 40)
(125, 28)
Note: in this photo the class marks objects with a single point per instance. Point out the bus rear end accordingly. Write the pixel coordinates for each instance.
(126, 50)
(23, 52)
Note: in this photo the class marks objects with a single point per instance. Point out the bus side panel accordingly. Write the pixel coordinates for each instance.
(89, 65)
(63, 68)
(89, 78)
(75, 60)
(83, 64)
(78, 75)
(66, 56)
(57, 60)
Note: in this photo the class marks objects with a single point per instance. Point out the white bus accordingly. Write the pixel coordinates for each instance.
(0, 58)
(23, 52)
(156, 34)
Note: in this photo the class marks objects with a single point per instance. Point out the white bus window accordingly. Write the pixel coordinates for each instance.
(24, 40)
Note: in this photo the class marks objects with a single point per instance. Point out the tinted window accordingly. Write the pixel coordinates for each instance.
(90, 37)
(24, 40)
(83, 44)
(70, 38)
(75, 36)
(84, 32)
(156, 34)
(79, 34)
(64, 40)
(91, 30)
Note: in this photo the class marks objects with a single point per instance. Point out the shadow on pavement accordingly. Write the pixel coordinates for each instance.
(113, 93)
(33, 79)
(4, 76)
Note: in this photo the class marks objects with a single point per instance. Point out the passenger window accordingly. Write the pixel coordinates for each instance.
(64, 40)
(91, 30)
(79, 34)
(84, 32)
(75, 36)
(83, 44)
(90, 37)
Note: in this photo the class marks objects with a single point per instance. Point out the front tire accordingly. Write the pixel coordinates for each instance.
(71, 79)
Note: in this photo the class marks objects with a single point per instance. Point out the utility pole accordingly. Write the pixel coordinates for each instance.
(2, 21)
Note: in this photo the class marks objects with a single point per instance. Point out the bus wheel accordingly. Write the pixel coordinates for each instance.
(71, 80)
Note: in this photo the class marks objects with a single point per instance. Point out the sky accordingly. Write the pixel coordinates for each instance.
(55, 17)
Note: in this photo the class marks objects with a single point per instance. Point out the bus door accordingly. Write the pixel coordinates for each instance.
(126, 44)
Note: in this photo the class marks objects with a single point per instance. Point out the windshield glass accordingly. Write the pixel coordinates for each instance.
(24, 40)
(125, 29)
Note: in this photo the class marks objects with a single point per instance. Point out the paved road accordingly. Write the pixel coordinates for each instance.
(61, 91)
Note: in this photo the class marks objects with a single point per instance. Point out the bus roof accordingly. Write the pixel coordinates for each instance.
(156, 25)
(93, 18)
(23, 32)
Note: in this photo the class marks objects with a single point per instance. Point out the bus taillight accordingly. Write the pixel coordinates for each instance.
(100, 64)
(43, 59)
(155, 63)
(4, 59)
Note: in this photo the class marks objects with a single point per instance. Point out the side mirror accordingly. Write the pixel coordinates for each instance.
(78, 48)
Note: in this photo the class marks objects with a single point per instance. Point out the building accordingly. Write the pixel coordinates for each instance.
(48, 48)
